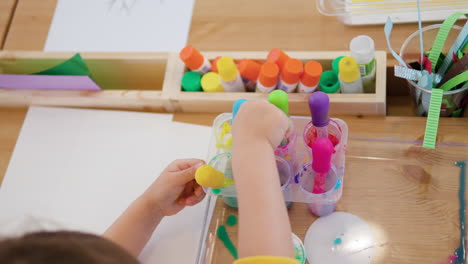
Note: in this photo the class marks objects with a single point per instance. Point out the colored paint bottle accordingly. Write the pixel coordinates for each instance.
(214, 66)
(311, 77)
(191, 82)
(291, 75)
(329, 82)
(350, 78)
(268, 77)
(335, 64)
(194, 60)
(249, 71)
(210, 83)
(229, 75)
(278, 57)
(363, 51)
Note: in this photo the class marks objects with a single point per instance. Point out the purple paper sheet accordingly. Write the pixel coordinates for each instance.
(47, 82)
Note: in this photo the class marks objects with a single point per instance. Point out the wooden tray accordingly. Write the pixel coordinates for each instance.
(365, 104)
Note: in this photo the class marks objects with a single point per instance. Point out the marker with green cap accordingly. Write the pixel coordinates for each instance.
(191, 82)
(280, 99)
(336, 63)
(329, 82)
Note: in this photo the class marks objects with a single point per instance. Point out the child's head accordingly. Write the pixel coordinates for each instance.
(62, 247)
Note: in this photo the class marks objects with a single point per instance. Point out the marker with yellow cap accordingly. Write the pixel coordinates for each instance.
(350, 77)
(208, 176)
(194, 60)
(268, 77)
(290, 76)
(210, 83)
(229, 75)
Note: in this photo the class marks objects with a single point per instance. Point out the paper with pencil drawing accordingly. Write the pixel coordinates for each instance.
(82, 168)
(120, 25)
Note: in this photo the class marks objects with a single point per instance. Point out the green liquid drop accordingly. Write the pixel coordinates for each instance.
(231, 220)
(224, 237)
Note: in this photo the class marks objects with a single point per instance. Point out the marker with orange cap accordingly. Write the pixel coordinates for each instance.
(268, 77)
(349, 75)
(311, 77)
(290, 75)
(229, 75)
(194, 60)
(278, 57)
(249, 71)
(214, 67)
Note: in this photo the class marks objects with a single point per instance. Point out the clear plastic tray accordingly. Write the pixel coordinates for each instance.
(360, 12)
(407, 194)
(297, 180)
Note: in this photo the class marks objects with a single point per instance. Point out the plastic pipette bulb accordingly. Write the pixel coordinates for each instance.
(235, 108)
(208, 176)
(322, 150)
(319, 103)
(280, 99)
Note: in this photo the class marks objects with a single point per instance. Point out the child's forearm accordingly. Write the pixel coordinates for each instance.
(134, 227)
(264, 227)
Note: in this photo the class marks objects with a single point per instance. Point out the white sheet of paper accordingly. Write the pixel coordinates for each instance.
(82, 168)
(120, 25)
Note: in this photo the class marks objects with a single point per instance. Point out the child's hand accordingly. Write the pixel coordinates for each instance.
(176, 188)
(257, 120)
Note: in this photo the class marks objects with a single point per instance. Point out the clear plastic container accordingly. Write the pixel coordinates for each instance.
(336, 129)
(291, 187)
(324, 203)
(376, 11)
(223, 162)
(409, 52)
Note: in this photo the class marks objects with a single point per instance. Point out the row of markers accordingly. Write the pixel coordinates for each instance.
(351, 74)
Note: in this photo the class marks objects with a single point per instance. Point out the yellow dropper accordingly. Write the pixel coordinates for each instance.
(208, 176)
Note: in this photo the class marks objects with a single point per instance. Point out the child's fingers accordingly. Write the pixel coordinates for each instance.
(193, 200)
(199, 191)
(187, 175)
(183, 164)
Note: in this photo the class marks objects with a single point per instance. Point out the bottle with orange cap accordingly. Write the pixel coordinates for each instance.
(311, 77)
(214, 67)
(278, 57)
(349, 75)
(194, 60)
(268, 77)
(229, 75)
(249, 71)
(290, 76)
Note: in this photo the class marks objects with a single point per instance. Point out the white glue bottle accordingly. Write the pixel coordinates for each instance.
(350, 78)
(229, 75)
(363, 51)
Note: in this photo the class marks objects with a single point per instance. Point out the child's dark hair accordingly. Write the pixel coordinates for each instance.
(62, 247)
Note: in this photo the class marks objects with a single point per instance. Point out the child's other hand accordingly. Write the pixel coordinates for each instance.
(257, 120)
(176, 187)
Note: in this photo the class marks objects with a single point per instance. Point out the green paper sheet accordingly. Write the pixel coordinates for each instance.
(73, 66)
